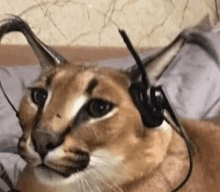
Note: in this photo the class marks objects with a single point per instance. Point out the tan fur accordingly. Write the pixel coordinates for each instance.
(140, 159)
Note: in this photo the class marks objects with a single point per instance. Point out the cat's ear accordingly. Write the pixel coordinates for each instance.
(47, 56)
(157, 63)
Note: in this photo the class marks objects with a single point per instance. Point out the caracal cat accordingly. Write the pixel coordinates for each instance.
(82, 131)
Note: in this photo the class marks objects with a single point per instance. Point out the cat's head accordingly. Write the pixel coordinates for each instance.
(79, 122)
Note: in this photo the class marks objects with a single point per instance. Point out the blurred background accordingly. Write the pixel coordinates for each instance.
(149, 23)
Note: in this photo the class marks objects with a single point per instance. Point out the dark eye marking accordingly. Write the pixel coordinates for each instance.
(38, 96)
(92, 84)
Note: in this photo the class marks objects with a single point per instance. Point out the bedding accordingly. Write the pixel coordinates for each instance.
(192, 83)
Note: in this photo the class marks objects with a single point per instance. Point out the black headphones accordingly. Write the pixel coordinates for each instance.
(147, 98)
(152, 102)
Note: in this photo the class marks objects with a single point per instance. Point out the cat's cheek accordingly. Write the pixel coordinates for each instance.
(27, 113)
(27, 151)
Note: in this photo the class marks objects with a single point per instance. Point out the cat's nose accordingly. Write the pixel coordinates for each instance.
(45, 141)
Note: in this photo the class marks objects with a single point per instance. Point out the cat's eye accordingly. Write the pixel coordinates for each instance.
(99, 107)
(38, 96)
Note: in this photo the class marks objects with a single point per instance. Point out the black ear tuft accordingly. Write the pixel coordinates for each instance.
(47, 56)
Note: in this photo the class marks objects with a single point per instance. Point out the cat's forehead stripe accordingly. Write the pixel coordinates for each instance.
(91, 86)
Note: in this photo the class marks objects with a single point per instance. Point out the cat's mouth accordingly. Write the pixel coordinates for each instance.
(72, 166)
(54, 171)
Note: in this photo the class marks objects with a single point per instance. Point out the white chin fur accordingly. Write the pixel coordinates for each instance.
(47, 176)
(102, 168)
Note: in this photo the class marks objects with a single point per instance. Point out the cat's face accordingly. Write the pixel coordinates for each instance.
(80, 122)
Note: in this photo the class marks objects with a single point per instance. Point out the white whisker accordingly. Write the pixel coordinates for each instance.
(103, 181)
(79, 185)
(106, 160)
(94, 183)
(98, 188)
(87, 183)
(114, 186)
(83, 186)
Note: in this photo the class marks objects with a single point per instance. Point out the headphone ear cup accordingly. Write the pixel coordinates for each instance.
(150, 116)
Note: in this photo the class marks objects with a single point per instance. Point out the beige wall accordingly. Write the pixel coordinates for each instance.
(95, 22)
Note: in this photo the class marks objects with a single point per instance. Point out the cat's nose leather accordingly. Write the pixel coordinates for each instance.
(45, 141)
